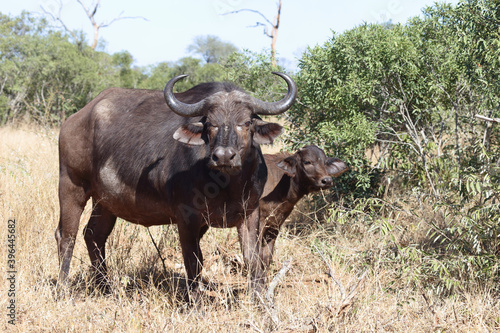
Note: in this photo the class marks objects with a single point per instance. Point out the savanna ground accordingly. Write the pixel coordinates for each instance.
(148, 297)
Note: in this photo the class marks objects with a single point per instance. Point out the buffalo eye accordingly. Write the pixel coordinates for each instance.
(210, 125)
(247, 124)
(307, 162)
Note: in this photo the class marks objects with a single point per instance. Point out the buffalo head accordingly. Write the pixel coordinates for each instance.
(313, 168)
(230, 123)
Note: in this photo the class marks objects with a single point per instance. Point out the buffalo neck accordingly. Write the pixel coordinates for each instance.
(297, 189)
(289, 190)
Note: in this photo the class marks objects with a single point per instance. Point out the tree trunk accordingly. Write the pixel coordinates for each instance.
(96, 36)
(274, 36)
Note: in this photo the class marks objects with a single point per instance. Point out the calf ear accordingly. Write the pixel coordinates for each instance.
(265, 132)
(289, 165)
(190, 134)
(335, 167)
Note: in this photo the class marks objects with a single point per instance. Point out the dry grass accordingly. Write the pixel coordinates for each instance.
(147, 299)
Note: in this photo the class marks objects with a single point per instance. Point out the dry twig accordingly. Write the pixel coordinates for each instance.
(158, 250)
(346, 300)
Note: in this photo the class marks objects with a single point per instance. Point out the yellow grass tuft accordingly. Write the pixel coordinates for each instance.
(145, 298)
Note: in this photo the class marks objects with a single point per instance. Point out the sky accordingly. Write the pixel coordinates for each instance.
(167, 27)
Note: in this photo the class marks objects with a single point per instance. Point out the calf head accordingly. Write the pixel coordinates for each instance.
(230, 124)
(312, 169)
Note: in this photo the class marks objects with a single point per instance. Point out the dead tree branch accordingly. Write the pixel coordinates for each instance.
(269, 304)
(58, 18)
(274, 27)
(492, 120)
(252, 11)
(90, 11)
(96, 26)
(487, 131)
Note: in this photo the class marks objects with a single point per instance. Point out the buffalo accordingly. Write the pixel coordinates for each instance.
(155, 158)
(290, 177)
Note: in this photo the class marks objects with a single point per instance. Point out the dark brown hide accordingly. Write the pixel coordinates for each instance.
(290, 177)
(142, 162)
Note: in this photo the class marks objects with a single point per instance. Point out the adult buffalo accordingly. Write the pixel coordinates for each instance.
(149, 163)
(291, 177)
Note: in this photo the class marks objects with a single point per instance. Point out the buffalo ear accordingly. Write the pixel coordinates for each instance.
(265, 132)
(190, 134)
(289, 165)
(335, 167)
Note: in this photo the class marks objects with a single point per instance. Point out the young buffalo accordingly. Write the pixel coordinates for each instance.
(290, 177)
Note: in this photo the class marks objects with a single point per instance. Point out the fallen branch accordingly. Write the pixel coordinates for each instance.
(277, 278)
(269, 304)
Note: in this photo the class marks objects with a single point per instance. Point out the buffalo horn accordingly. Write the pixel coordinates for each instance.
(182, 109)
(272, 108)
(261, 107)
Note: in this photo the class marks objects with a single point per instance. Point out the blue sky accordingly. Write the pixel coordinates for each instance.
(172, 24)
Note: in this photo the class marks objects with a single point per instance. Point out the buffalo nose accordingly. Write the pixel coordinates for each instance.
(224, 155)
(327, 181)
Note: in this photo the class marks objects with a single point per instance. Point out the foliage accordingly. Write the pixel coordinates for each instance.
(397, 102)
(345, 140)
(355, 83)
(253, 72)
(43, 75)
(211, 48)
(46, 77)
(128, 76)
(478, 28)
(409, 85)
(197, 73)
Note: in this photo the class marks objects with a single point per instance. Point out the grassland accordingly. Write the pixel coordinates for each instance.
(148, 298)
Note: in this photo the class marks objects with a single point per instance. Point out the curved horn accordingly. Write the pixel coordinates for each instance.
(182, 109)
(272, 108)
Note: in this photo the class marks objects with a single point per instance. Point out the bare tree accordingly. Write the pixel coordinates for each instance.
(274, 27)
(91, 12)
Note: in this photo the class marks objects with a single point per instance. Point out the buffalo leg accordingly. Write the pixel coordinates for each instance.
(268, 241)
(251, 248)
(96, 233)
(189, 236)
(72, 199)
